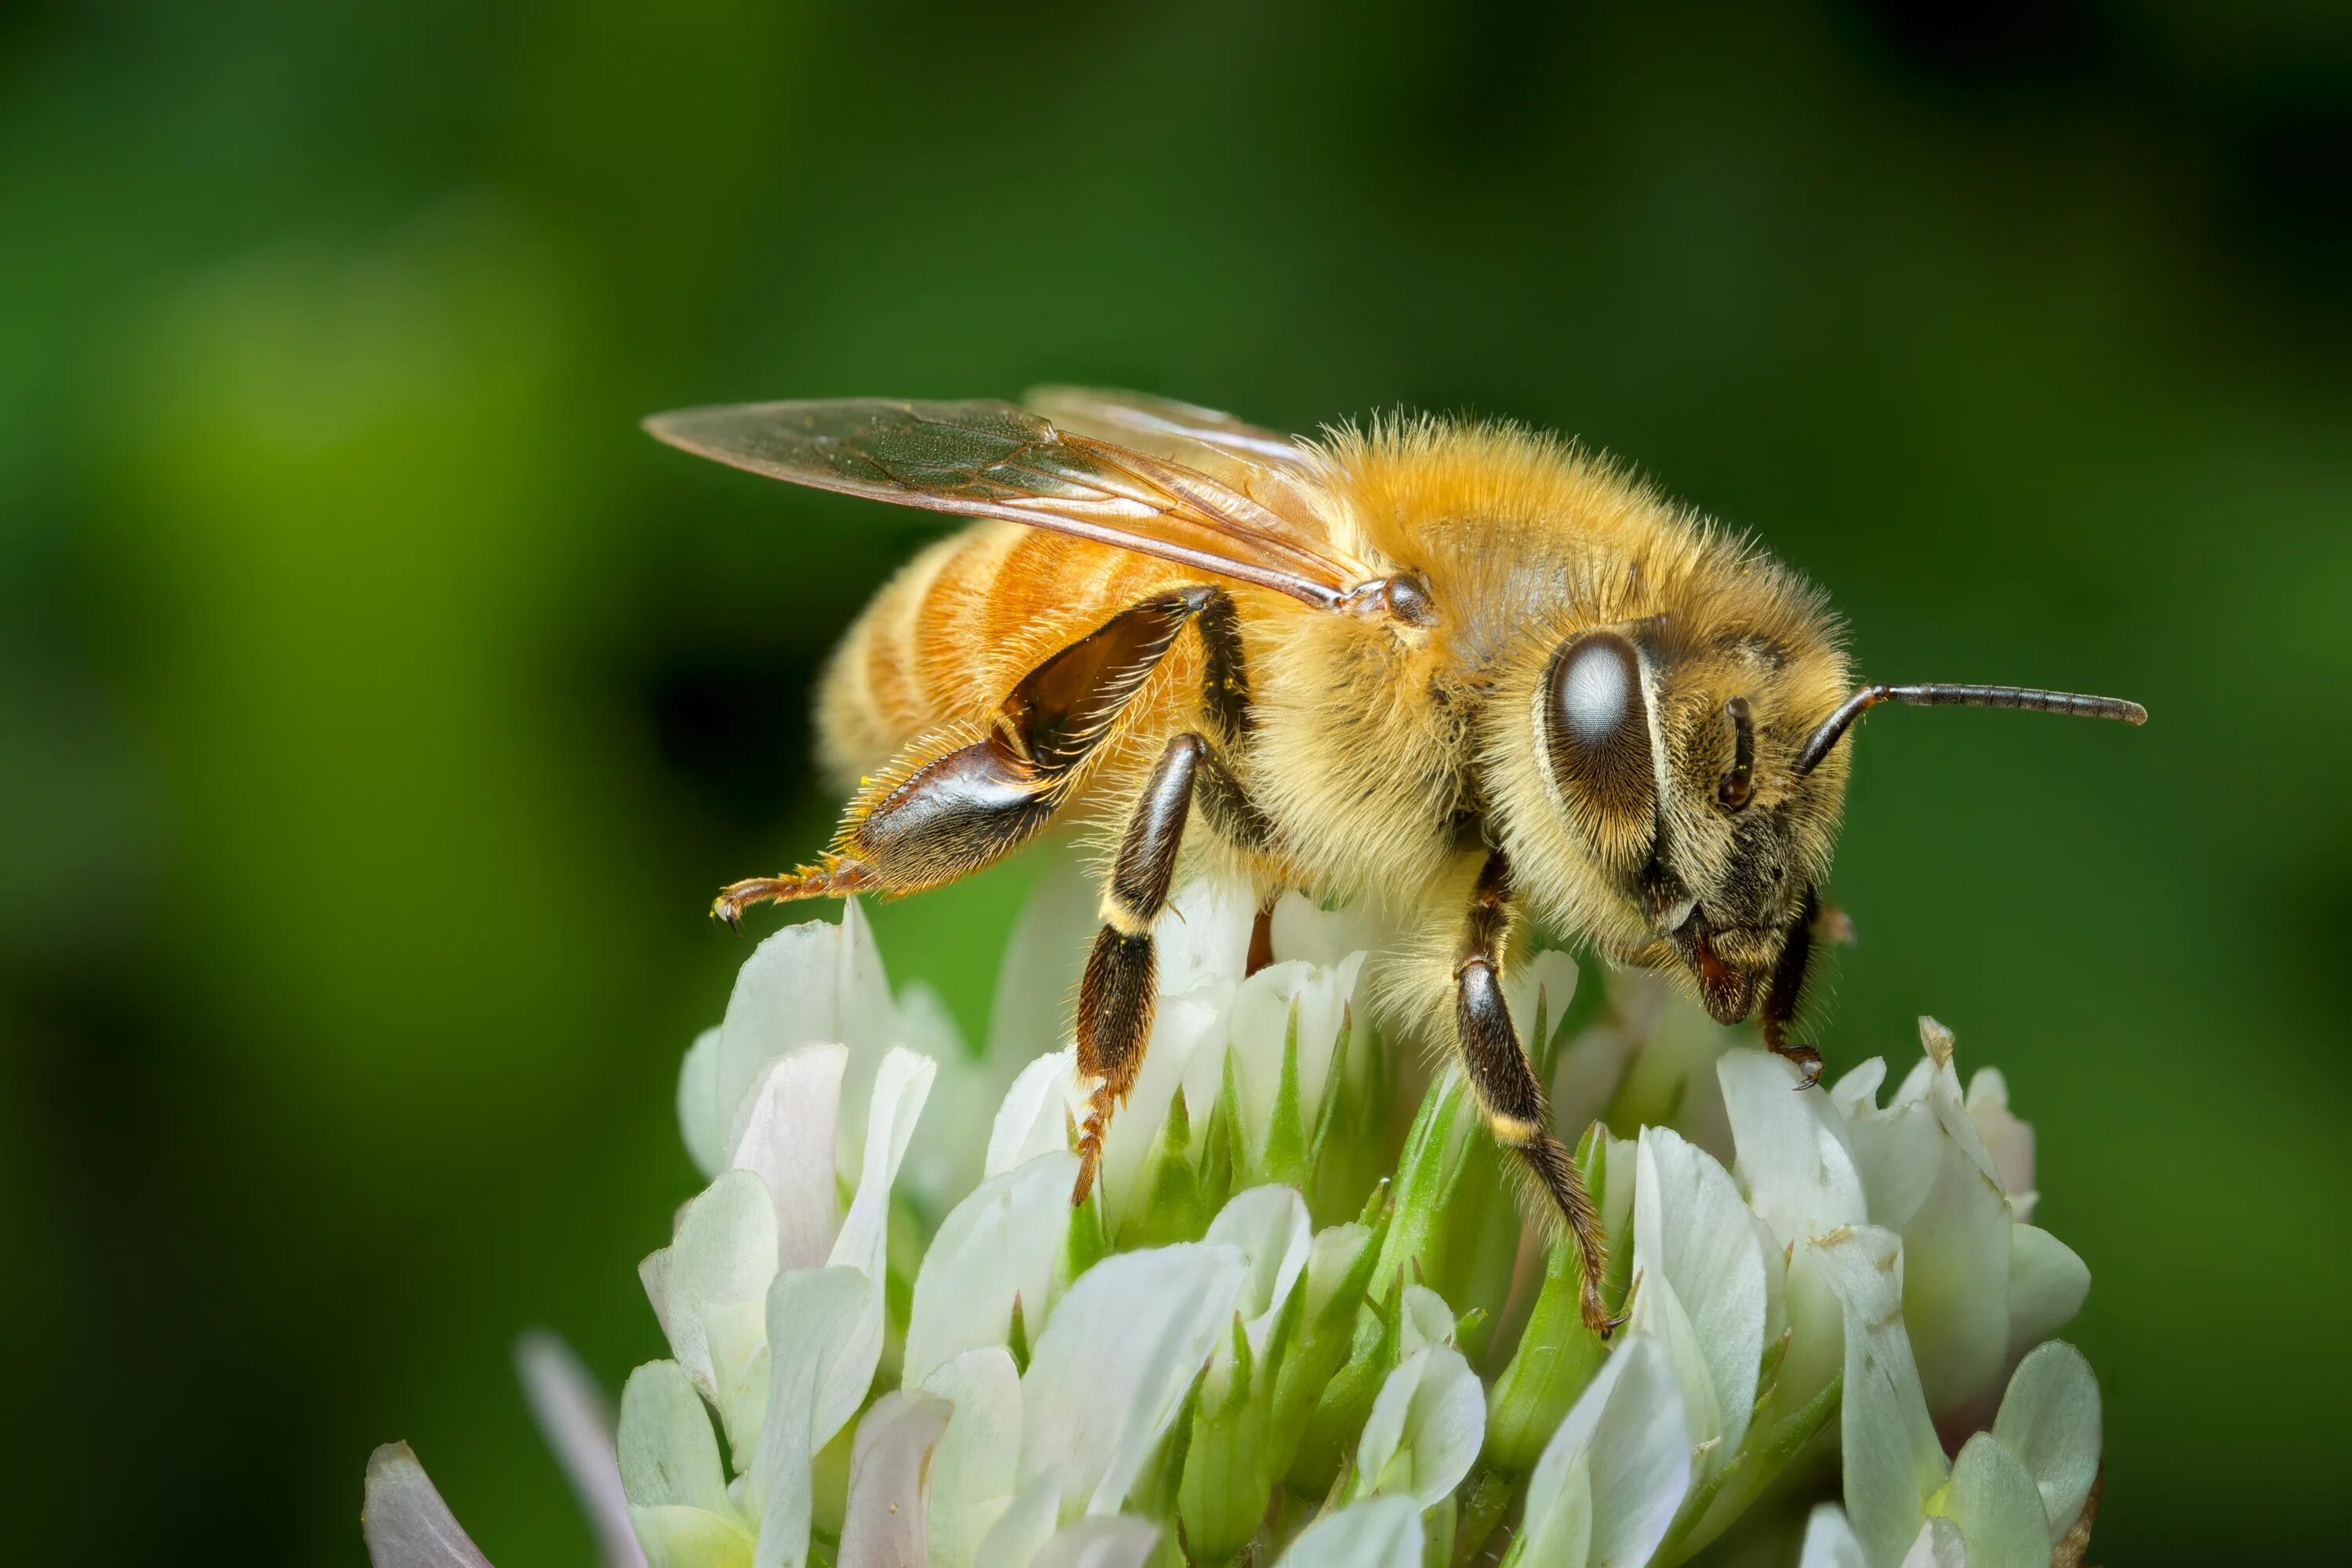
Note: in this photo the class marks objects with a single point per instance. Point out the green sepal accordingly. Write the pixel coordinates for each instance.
(1016, 1337)
(1336, 1418)
(1173, 1209)
(1221, 1145)
(1227, 1481)
(1487, 1500)
(1762, 1457)
(1437, 1529)
(1303, 1371)
(1417, 1214)
(1089, 1238)
(1285, 1161)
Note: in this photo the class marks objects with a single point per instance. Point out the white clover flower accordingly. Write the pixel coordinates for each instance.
(1981, 1286)
(1282, 1332)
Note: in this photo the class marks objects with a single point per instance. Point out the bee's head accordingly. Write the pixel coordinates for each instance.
(1677, 794)
(1672, 824)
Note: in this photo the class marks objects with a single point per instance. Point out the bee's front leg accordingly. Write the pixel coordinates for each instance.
(1115, 999)
(1506, 1087)
(1786, 986)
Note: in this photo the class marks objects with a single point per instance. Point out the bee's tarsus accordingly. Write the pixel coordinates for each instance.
(1807, 1060)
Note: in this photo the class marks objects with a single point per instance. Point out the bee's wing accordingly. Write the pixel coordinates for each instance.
(1164, 426)
(986, 458)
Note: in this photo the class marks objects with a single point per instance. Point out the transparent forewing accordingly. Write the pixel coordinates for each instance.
(1278, 471)
(986, 458)
(1161, 424)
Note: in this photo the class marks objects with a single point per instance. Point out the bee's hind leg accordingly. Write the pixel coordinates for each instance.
(946, 811)
(1506, 1088)
(836, 879)
(1115, 999)
(957, 813)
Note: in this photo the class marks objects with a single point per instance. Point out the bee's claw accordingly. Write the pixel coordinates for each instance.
(1807, 1063)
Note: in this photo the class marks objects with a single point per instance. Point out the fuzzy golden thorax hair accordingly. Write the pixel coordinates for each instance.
(1532, 544)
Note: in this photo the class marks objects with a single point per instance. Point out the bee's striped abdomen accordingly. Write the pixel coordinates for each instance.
(947, 638)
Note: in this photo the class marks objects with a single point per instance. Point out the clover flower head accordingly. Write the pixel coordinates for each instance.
(1303, 1317)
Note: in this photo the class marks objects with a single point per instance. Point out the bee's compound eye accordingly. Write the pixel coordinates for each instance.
(1597, 732)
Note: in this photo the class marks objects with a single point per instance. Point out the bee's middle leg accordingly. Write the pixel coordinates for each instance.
(1506, 1087)
(1115, 999)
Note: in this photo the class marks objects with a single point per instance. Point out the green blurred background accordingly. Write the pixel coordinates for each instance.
(378, 708)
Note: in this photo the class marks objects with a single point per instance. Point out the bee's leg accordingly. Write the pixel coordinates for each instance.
(835, 878)
(1787, 984)
(945, 813)
(1115, 999)
(1505, 1085)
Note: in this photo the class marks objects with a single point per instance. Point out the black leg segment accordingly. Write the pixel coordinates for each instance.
(1505, 1085)
(1114, 1000)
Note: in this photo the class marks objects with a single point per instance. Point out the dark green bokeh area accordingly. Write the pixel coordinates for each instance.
(378, 708)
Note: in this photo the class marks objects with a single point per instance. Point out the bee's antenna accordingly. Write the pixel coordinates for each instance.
(1934, 696)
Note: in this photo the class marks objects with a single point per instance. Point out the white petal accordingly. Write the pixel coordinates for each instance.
(811, 983)
(1956, 1253)
(406, 1523)
(1113, 1363)
(1332, 1254)
(1261, 1025)
(1558, 1529)
(1204, 939)
(900, 1085)
(1378, 1532)
(1895, 1149)
(1186, 1048)
(1993, 1499)
(1623, 1454)
(1268, 1226)
(1829, 1541)
(1427, 1425)
(1793, 1157)
(885, 1525)
(825, 1330)
(702, 1116)
(1000, 1245)
(973, 1469)
(1929, 1177)
(1034, 1118)
(2047, 1283)
(2049, 1420)
(578, 1425)
(1304, 930)
(1016, 1538)
(1893, 1459)
(783, 1134)
(2007, 1139)
(677, 1537)
(1816, 1329)
(719, 1269)
(1426, 1321)
(1855, 1093)
(653, 1273)
(1703, 1292)
(1938, 1545)
(668, 1457)
(1112, 1541)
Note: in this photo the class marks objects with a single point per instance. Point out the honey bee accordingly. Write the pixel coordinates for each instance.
(1468, 673)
